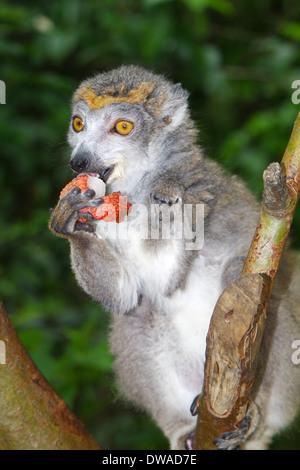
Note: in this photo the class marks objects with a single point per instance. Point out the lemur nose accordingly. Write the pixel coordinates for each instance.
(80, 162)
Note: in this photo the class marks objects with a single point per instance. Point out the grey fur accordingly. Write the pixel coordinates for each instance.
(161, 296)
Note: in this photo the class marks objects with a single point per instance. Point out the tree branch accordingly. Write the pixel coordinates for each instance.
(238, 320)
(32, 415)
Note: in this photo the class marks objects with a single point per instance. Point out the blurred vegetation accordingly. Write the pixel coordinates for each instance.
(237, 58)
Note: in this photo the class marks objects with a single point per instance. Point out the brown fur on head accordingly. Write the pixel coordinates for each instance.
(130, 84)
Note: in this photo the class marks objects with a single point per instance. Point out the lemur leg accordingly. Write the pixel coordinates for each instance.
(230, 440)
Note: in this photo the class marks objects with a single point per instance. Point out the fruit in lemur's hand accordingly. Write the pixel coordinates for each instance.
(79, 182)
(114, 207)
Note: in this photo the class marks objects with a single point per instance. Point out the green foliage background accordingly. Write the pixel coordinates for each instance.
(237, 58)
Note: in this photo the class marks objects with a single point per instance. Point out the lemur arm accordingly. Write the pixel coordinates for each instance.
(99, 269)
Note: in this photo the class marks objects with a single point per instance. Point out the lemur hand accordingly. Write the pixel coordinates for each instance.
(64, 218)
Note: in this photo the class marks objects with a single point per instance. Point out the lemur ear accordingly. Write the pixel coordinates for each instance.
(175, 106)
(178, 92)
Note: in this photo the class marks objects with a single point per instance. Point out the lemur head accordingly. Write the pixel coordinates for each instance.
(122, 119)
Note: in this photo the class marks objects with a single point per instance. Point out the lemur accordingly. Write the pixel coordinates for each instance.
(133, 128)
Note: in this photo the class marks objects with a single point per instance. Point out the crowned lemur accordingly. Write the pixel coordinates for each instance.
(133, 129)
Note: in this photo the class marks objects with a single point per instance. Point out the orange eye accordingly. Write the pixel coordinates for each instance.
(77, 124)
(123, 127)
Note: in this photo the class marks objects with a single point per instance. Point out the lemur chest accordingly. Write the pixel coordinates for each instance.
(155, 264)
(158, 265)
(191, 309)
(187, 311)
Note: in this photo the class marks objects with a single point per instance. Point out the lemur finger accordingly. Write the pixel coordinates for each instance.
(74, 192)
(81, 204)
(85, 215)
(188, 443)
(63, 223)
(84, 226)
(77, 195)
(88, 194)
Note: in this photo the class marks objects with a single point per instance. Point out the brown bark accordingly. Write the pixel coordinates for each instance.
(32, 415)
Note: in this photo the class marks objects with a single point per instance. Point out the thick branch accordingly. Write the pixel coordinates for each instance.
(238, 320)
(32, 415)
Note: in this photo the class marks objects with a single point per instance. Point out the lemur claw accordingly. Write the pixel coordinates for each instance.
(194, 406)
(188, 443)
(163, 199)
(232, 440)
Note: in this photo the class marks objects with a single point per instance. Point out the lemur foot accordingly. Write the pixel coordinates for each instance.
(167, 192)
(64, 218)
(164, 199)
(188, 443)
(232, 440)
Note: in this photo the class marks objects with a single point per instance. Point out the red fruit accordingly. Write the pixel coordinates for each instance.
(78, 182)
(114, 207)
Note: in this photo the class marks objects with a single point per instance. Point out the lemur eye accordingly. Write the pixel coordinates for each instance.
(123, 127)
(77, 124)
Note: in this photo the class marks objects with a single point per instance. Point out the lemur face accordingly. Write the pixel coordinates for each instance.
(109, 140)
(117, 117)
